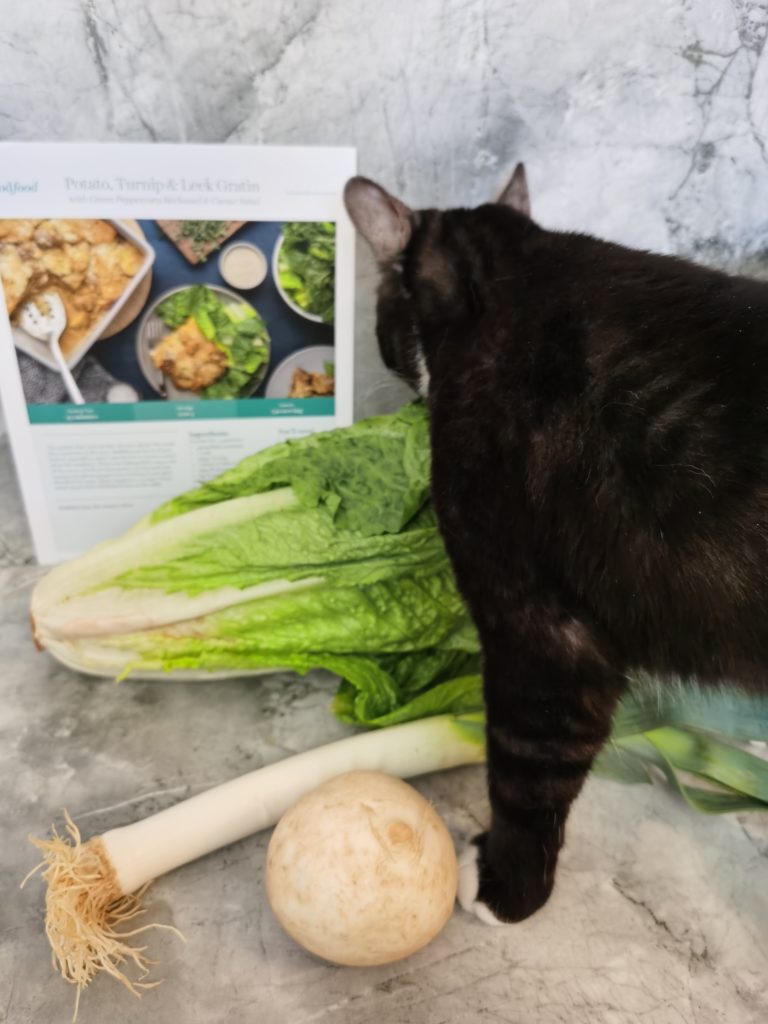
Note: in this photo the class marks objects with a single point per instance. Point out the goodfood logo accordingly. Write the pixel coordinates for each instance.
(14, 188)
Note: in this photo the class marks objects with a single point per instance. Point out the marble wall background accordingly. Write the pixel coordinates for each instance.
(645, 121)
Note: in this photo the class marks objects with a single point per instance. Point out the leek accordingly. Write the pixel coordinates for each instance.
(95, 886)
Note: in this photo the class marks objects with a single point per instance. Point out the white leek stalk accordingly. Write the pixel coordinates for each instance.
(96, 885)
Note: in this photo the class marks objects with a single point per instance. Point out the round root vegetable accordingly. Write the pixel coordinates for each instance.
(362, 870)
(94, 887)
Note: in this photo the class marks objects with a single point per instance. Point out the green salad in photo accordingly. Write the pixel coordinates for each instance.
(306, 266)
(233, 349)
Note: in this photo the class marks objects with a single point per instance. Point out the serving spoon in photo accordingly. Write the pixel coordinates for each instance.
(45, 318)
(153, 331)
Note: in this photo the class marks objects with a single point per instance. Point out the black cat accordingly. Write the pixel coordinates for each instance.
(599, 423)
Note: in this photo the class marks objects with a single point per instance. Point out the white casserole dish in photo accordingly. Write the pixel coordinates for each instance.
(40, 351)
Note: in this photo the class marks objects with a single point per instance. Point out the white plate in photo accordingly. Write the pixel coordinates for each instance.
(312, 359)
(283, 293)
(152, 330)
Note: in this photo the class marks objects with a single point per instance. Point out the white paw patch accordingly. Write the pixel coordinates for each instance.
(469, 883)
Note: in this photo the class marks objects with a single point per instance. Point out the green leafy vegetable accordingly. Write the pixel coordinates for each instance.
(324, 552)
(239, 332)
(306, 266)
(317, 552)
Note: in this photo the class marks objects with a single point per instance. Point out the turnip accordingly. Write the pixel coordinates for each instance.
(95, 887)
(362, 870)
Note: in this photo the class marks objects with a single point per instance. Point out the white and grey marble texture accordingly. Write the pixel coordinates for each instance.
(644, 121)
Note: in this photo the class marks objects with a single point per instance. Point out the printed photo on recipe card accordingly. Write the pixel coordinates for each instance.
(166, 310)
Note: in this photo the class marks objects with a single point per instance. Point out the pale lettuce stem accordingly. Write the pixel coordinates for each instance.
(114, 611)
(103, 661)
(158, 542)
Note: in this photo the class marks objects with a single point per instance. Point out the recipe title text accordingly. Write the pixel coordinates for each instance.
(163, 186)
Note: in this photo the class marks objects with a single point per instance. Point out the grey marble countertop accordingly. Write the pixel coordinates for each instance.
(659, 915)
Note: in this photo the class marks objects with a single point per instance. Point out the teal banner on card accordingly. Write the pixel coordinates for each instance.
(136, 412)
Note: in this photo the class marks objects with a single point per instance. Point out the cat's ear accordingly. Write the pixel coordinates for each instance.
(515, 194)
(383, 221)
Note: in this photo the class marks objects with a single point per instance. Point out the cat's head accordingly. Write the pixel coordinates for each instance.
(429, 270)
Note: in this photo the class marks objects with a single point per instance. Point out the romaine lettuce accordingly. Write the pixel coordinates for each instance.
(319, 552)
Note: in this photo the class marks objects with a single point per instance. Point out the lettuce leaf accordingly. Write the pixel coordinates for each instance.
(373, 478)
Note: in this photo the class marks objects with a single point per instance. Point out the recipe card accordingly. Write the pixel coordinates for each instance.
(165, 310)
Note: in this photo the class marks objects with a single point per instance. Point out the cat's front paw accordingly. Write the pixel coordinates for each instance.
(469, 896)
(497, 898)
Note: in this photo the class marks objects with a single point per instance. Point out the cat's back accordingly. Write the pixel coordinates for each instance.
(627, 395)
(575, 318)
(614, 294)
(608, 355)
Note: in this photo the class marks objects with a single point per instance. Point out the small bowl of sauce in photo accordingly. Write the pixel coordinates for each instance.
(242, 265)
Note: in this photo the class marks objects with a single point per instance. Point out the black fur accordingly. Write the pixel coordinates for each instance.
(599, 424)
